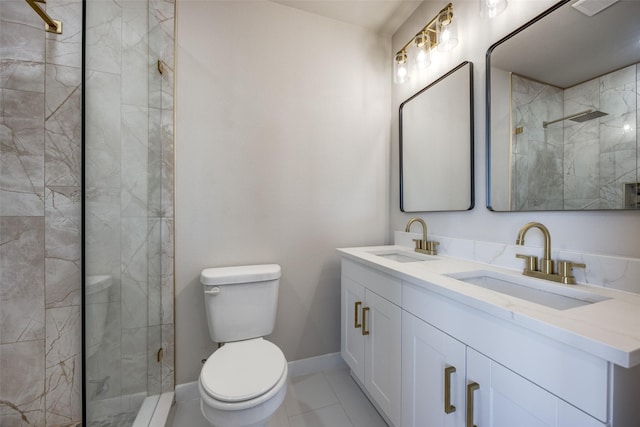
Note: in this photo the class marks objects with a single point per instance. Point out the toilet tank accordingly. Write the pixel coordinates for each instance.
(241, 301)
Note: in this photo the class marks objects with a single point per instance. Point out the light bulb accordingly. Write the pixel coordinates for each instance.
(446, 35)
(421, 59)
(422, 51)
(447, 32)
(492, 8)
(400, 68)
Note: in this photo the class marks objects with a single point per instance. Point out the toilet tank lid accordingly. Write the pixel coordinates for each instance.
(239, 274)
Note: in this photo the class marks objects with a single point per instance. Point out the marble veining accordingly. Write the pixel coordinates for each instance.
(22, 154)
(40, 354)
(22, 278)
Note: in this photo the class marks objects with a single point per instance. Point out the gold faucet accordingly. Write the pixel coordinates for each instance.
(423, 246)
(546, 266)
(565, 272)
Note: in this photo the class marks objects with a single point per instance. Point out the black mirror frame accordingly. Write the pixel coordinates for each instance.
(471, 138)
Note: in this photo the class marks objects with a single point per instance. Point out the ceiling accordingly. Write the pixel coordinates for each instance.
(566, 47)
(382, 16)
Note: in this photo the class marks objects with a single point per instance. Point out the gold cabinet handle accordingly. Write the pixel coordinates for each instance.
(470, 389)
(365, 331)
(356, 309)
(448, 407)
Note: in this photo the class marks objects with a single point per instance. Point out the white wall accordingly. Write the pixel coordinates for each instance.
(614, 233)
(282, 155)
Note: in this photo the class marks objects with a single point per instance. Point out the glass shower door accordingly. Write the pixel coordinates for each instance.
(122, 195)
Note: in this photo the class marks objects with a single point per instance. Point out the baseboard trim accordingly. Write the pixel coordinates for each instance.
(312, 365)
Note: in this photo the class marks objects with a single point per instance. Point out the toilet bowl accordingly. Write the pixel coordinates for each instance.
(244, 381)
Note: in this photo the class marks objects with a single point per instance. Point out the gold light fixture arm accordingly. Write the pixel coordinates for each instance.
(50, 25)
(430, 28)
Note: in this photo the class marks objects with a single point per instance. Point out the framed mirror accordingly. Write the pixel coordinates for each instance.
(436, 145)
(562, 110)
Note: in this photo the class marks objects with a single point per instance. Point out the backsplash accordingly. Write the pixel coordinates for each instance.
(602, 270)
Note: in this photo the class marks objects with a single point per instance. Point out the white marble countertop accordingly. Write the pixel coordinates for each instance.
(608, 329)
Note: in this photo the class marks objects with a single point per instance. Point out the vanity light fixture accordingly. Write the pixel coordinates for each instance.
(415, 55)
(492, 8)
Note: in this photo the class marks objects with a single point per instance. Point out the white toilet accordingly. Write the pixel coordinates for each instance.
(244, 382)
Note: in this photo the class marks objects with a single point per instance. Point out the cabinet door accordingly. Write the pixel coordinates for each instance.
(433, 376)
(505, 399)
(383, 321)
(352, 340)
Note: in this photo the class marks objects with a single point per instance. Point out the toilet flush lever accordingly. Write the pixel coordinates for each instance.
(213, 291)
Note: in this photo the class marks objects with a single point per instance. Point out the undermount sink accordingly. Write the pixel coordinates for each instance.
(560, 297)
(400, 255)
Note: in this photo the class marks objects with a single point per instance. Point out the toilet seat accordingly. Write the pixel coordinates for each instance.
(243, 371)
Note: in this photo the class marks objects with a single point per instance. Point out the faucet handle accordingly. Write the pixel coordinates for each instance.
(431, 247)
(565, 271)
(419, 244)
(530, 262)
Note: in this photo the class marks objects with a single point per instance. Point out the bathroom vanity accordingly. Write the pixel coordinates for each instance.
(438, 341)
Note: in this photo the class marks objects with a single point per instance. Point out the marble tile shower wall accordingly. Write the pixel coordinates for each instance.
(602, 149)
(40, 137)
(536, 148)
(40, 200)
(585, 164)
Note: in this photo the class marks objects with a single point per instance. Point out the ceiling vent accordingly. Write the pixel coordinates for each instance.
(591, 7)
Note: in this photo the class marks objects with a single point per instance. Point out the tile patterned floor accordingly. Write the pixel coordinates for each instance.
(322, 399)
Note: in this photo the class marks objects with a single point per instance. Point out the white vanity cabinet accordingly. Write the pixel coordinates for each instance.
(523, 378)
(433, 376)
(370, 338)
(448, 384)
(436, 345)
(498, 397)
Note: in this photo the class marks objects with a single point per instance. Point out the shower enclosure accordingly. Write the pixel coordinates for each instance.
(86, 198)
(128, 209)
(576, 147)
